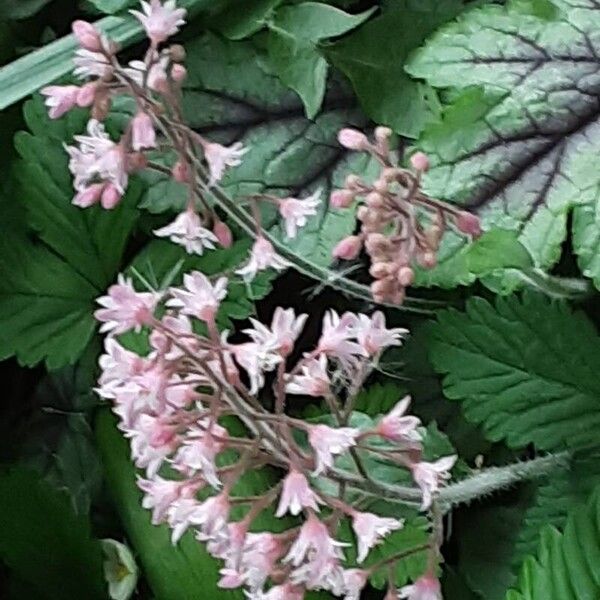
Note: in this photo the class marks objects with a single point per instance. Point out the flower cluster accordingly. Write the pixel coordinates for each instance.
(174, 405)
(399, 224)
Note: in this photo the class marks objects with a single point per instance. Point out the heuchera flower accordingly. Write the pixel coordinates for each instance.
(296, 495)
(157, 79)
(430, 476)
(354, 582)
(295, 212)
(336, 337)
(159, 494)
(256, 359)
(143, 135)
(60, 99)
(187, 231)
(124, 308)
(160, 21)
(89, 63)
(327, 442)
(287, 591)
(425, 588)
(370, 530)
(313, 379)
(220, 157)
(285, 328)
(200, 298)
(396, 426)
(87, 35)
(263, 257)
(373, 336)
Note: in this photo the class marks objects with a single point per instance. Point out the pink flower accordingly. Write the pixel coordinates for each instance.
(466, 223)
(211, 516)
(260, 555)
(124, 308)
(256, 359)
(159, 494)
(152, 440)
(89, 63)
(296, 495)
(353, 139)
(200, 298)
(430, 476)
(60, 99)
(374, 337)
(118, 364)
(397, 427)
(370, 529)
(187, 231)
(287, 591)
(160, 21)
(220, 157)
(348, 248)
(87, 35)
(142, 132)
(335, 338)
(295, 212)
(425, 588)
(223, 234)
(342, 198)
(263, 257)
(87, 94)
(354, 582)
(157, 79)
(327, 442)
(419, 161)
(285, 329)
(89, 196)
(313, 379)
(111, 196)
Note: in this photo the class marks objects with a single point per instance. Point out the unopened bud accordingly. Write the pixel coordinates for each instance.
(342, 198)
(389, 174)
(419, 162)
(398, 297)
(381, 287)
(353, 182)
(406, 276)
(181, 172)
(379, 270)
(111, 196)
(377, 243)
(468, 223)
(223, 234)
(427, 260)
(381, 186)
(375, 201)
(178, 73)
(87, 35)
(177, 53)
(348, 248)
(87, 94)
(353, 139)
(433, 235)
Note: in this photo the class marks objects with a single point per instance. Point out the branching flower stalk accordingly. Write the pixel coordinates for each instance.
(180, 403)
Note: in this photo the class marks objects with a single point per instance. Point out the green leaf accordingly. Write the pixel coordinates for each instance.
(497, 249)
(296, 31)
(526, 369)
(586, 238)
(174, 573)
(113, 6)
(20, 10)
(519, 142)
(237, 24)
(568, 563)
(379, 398)
(40, 67)
(46, 304)
(289, 154)
(373, 59)
(43, 541)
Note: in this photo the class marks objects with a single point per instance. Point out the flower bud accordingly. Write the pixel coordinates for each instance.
(142, 131)
(379, 270)
(375, 200)
(87, 94)
(353, 139)
(111, 196)
(377, 243)
(427, 260)
(382, 134)
(419, 162)
(89, 196)
(468, 223)
(223, 234)
(353, 182)
(342, 198)
(180, 172)
(177, 53)
(348, 248)
(381, 287)
(406, 276)
(178, 73)
(87, 35)
(381, 186)
(433, 235)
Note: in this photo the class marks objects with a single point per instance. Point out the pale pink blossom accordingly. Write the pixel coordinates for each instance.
(353, 139)
(370, 530)
(153, 439)
(328, 442)
(354, 582)
(60, 99)
(211, 516)
(87, 35)
(336, 338)
(223, 234)
(143, 135)
(313, 379)
(230, 579)
(342, 198)
(296, 495)
(373, 336)
(124, 308)
(157, 79)
(159, 495)
(187, 231)
(419, 161)
(286, 591)
(160, 21)
(396, 426)
(431, 476)
(180, 327)
(260, 555)
(256, 359)
(348, 248)
(320, 573)
(200, 298)
(89, 196)
(285, 329)
(425, 588)
(111, 196)
(89, 63)
(117, 364)
(295, 212)
(87, 94)
(263, 257)
(220, 157)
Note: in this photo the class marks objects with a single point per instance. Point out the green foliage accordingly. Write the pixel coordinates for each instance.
(373, 59)
(567, 564)
(497, 249)
(379, 398)
(525, 368)
(519, 148)
(44, 543)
